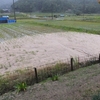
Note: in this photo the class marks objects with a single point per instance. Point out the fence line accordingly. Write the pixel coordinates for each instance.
(63, 67)
(35, 75)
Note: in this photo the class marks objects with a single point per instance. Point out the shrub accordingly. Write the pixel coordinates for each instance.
(96, 97)
(54, 78)
(21, 87)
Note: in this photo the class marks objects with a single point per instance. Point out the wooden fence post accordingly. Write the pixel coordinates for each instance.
(72, 64)
(36, 76)
(78, 62)
(99, 58)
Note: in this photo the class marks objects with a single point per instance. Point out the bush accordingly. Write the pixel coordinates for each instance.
(54, 78)
(96, 97)
(21, 87)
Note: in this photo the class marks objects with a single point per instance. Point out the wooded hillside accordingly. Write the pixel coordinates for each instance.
(71, 6)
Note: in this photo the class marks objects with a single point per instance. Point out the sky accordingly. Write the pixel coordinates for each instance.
(3, 3)
(6, 1)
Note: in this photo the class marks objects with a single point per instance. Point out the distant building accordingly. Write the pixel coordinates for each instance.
(5, 17)
(5, 10)
(62, 15)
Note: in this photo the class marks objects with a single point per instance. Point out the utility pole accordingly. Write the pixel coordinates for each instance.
(14, 10)
(83, 8)
(52, 10)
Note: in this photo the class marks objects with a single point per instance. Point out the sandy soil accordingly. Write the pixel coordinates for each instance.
(38, 50)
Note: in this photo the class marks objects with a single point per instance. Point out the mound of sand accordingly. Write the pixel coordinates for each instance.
(38, 50)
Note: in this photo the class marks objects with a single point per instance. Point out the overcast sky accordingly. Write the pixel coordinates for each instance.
(3, 3)
(6, 1)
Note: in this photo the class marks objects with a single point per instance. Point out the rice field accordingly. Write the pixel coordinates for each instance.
(32, 43)
(27, 42)
(72, 25)
(88, 23)
(22, 28)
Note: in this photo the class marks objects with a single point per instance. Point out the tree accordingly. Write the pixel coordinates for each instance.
(91, 6)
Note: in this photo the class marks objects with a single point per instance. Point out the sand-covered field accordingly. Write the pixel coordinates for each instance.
(41, 49)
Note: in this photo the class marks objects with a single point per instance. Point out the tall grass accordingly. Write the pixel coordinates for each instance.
(8, 81)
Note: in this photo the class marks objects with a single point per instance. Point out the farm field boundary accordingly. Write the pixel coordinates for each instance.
(66, 28)
(36, 75)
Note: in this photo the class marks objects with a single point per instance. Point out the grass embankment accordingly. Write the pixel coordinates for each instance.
(81, 84)
(88, 23)
(78, 26)
(11, 79)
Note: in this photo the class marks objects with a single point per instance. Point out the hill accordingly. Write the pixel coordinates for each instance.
(75, 6)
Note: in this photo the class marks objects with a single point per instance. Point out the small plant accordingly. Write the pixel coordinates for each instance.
(54, 78)
(96, 97)
(57, 66)
(32, 52)
(21, 87)
(76, 61)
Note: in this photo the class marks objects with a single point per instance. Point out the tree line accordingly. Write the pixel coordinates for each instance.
(70, 6)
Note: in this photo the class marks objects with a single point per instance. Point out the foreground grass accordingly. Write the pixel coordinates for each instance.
(81, 84)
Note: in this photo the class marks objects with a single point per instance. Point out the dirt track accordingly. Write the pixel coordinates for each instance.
(34, 51)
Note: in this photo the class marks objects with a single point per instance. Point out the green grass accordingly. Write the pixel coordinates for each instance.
(86, 17)
(20, 87)
(22, 28)
(83, 84)
(55, 78)
(79, 26)
(89, 24)
(96, 97)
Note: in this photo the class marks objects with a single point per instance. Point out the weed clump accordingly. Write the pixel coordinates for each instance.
(55, 78)
(21, 87)
(96, 97)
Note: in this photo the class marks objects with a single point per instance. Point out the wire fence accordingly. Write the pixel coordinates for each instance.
(38, 74)
(60, 68)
